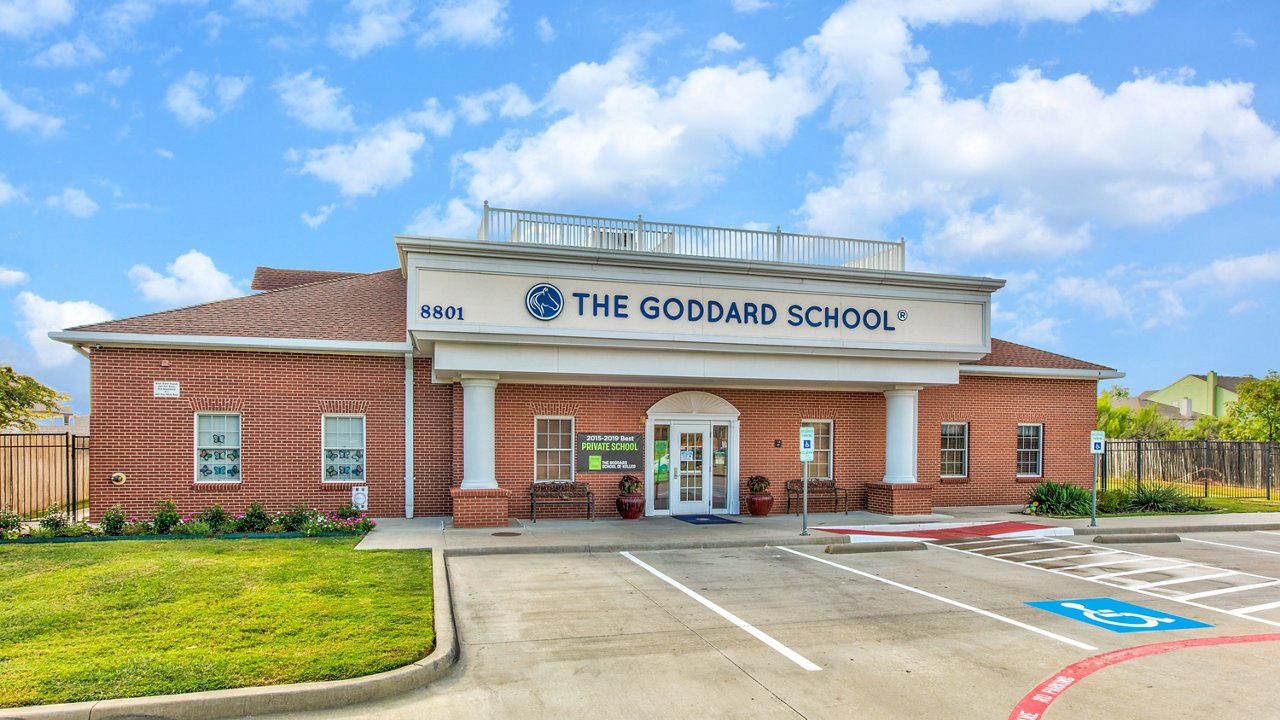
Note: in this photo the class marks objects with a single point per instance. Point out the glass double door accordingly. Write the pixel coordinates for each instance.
(691, 468)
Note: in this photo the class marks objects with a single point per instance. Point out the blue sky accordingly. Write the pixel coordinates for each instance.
(1115, 160)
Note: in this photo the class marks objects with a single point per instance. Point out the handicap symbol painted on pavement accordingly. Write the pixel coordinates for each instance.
(1117, 616)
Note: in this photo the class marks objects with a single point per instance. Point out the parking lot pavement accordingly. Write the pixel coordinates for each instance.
(795, 632)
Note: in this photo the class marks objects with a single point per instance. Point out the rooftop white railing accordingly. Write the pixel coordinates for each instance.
(645, 236)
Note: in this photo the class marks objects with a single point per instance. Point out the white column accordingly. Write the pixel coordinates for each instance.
(900, 430)
(478, 466)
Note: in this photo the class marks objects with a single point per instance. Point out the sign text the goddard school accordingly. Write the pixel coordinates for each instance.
(741, 313)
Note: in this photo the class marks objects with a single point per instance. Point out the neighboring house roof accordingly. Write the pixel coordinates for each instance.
(1166, 411)
(1226, 382)
(366, 307)
(265, 278)
(1008, 354)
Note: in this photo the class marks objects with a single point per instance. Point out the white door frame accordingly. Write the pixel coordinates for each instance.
(692, 418)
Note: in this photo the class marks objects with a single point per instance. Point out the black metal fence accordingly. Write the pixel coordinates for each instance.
(1200, 468)
(40, 471)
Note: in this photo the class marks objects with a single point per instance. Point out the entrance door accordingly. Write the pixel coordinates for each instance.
(690, 470)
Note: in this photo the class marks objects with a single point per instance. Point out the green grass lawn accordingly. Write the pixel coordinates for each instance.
(89, 621)
(1239, 505)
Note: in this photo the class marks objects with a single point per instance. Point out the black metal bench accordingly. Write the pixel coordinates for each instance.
(561, 493)
(818, 490)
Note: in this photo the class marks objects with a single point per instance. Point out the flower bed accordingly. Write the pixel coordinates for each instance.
(166, 522)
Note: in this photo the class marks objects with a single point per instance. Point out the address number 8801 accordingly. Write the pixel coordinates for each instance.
(441, 312)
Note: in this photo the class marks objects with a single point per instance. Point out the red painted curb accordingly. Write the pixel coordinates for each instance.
(1036, 702)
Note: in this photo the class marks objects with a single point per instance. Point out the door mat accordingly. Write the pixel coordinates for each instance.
(706, 519)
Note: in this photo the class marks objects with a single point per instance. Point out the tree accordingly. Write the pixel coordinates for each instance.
(23, 401)
(1257, 407)
(1126, 423)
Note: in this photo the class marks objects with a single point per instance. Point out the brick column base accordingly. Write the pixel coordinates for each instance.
(899, 498)
(488, 507)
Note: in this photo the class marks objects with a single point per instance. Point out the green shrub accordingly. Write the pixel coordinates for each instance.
(166, 517)
(216, 517)
(192, 527)
(54, 519)
(1051, 498)
(254, 519)
(1113, 501)
(10, 521)
(347, 510)
(43, 533)
(78, 529)
(275, 528)
(295, 519)
(113, 521)
(1162, 499)
(134, 529)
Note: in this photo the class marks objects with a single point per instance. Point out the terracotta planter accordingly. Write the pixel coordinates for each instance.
(759, 504)
(630, 507)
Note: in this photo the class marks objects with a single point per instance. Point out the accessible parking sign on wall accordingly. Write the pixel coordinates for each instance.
(610, 452)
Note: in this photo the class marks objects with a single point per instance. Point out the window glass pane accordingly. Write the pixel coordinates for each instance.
(553, 449)
(217, 448)
(820, 466)
(343, 454)
(661, 467)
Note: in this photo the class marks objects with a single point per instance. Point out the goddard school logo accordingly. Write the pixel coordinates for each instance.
(544, 301)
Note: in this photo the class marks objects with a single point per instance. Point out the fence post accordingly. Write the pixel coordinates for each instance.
(1105, 454)
(1138, 483)
(1266, 464)
(73, 487)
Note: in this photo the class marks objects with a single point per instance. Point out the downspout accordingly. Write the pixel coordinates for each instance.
(408, 434)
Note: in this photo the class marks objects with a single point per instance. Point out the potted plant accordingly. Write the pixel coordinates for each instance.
(759, 500)
(631, 500)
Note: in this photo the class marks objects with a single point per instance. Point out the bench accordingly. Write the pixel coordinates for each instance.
(818, 490)
(561, 493)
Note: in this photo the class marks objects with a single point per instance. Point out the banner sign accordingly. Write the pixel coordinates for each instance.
(610, 452)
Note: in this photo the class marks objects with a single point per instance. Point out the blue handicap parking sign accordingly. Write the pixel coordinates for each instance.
(1117, 616)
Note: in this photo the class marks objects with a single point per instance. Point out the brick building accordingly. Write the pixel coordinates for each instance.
(559, 347)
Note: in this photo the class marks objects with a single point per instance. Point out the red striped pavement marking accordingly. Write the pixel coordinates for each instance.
(1034, 705)
(955, 533)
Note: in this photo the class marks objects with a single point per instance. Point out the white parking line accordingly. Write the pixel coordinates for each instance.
(1142, 571)
(760, 635)
(1227, 590)
(1237, 547)
(1269, 532)
(939, 598)
(1108, 563)
(1179, 581)
(1070, 557)
(1255, 608)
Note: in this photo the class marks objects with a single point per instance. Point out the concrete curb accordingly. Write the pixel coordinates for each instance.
(823, 539)
(1129, 539)
(256, 701)
(1176, 529)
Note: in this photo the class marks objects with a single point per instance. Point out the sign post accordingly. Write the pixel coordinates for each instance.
(1097, 446)
(806, 456)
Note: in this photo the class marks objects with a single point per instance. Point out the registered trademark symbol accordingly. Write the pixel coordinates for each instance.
(902, 315)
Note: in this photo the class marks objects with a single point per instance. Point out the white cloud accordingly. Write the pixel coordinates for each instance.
(25, 18)
(546, 33)
(9, 276)
(1098, 296)
(1041, 332)
(381, 158)
(378, 23)
(275, 9)
(118, 76)
(1233, 272)
(164, 153)
(73, 201)
(38, 317)
(509, 100)
(1243, 39)
(121, 19)
(622, 139)
(19, 118)
(467, 22)
(431, 117)
(316, 219)
(456, 219)
(70, 53)
(1050, 157)
(725, 43)
(188, 98)
(314, 103)
(1244, 306)
(750, 6)
(7, 192)
(192, 278)
(213, 23)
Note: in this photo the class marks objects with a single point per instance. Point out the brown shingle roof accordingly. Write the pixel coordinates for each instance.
(1228, 382)
(265, 278)
(366, 307)
(1008, 354)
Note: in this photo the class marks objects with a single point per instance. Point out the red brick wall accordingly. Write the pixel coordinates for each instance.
(433, 449)
(993, 407)
(279, 397)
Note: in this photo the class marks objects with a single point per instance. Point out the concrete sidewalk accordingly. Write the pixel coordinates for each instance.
(662, 533)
